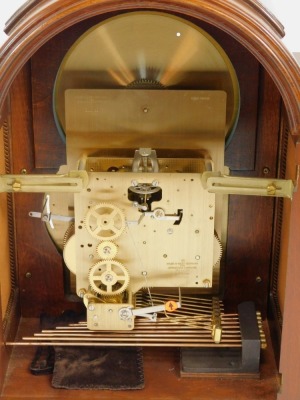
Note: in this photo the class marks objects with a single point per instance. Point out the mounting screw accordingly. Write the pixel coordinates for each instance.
(258, 279)
(23, 171)
(28, 275)
(266, 170)
(81, 292)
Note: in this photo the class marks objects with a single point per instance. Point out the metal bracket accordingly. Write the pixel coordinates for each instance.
(215, 182)
(149, 312)
(145, 160)
(160, 215)
(47, 216)
(219, 361)
(73, 182)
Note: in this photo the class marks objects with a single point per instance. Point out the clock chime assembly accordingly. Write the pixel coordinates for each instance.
(139, 212)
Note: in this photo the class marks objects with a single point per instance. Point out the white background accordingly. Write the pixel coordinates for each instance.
(287, 11)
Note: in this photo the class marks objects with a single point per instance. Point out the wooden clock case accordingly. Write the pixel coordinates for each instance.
(262, 258)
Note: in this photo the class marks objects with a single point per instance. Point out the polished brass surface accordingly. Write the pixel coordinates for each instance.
(178, 120)
(147, 50)
(190, 326)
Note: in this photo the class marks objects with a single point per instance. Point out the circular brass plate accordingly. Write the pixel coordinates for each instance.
(147, 50)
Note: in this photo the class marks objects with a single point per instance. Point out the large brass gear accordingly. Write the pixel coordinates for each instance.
(105, 221)
(69, 254)
(218, 250)
(69, 232)
(69, 248)
(108, 278)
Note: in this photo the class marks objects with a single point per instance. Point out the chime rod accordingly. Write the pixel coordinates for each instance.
(180, 323)
(123, 344)
(135, 331)
(179, 329)
(130, 340)
(132, 336)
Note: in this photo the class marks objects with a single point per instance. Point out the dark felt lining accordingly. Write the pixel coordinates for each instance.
(113, 368)
(88, 367)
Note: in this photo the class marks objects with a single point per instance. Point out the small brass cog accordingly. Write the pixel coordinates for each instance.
(105, 221)
(108, 277)
(107, 250)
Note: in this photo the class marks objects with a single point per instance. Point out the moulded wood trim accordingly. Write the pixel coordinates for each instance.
(28, 7)
(22, 12)
(267, 15)
(247, 21)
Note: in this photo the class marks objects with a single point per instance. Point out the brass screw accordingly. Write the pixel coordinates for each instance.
(271, 189)
(81, 292)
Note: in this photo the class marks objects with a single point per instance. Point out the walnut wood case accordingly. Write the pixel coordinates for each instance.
(262, 256)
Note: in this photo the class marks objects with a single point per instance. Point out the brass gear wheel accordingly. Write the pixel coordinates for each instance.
(69, 254)
(107, 250)
(218, 250)
(108, 278)
(145, 83)
(69, 232)
(105, 221)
